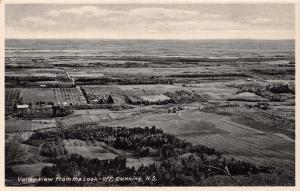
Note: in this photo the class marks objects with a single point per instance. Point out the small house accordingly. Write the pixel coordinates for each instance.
(22, 109)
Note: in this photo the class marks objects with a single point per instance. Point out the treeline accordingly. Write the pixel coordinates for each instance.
(26, 66)
(121, 81)
(208, 75)
(29, 78)
(23, 84)
(269, 71)
(26, 81)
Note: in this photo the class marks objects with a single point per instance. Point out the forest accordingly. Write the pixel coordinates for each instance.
(178, 163)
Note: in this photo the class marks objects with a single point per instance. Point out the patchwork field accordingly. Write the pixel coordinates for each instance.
(98, 93)
(220, 132)
(188, 112)
(36, 96)
(214, 91)
(143, 90)
(72, 96)
(100, 116)
(85, 73)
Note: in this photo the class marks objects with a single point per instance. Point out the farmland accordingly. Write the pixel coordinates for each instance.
(220, 132)
(36, 95)
(23, 129)
(102, 92)
(72, 96)
(91, 114)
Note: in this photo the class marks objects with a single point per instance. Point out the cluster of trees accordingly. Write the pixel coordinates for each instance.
(108, 100)
(61, 111)
(149, 142)
(140, 141)
(280, 88)
(183, 96)
(263, 106)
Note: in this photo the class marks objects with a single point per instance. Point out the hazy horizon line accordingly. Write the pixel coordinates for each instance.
(188, 39)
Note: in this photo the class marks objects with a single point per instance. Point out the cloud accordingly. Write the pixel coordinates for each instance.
(163, 13)
(83, 11)
(137, 19)
(135, 22)
(37, 23)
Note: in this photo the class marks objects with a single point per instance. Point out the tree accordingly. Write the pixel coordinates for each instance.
(153, 130)
(110, 100)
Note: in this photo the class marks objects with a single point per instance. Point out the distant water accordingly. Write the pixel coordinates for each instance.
(192, 48)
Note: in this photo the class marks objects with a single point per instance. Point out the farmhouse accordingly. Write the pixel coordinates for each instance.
(22, 109)
(94, 101)
(174, 109)
(61, 103)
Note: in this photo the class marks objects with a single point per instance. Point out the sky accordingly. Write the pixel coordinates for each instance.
(150, 21)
